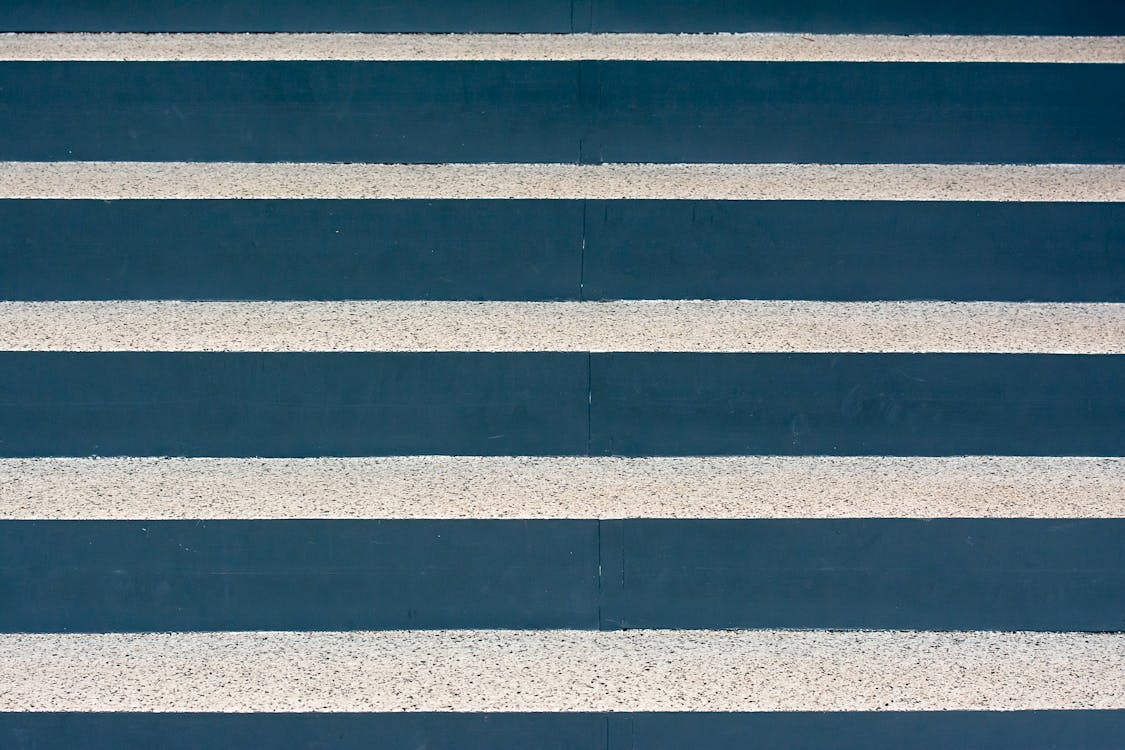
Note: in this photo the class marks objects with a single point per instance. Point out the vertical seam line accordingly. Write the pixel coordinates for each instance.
(582, 257)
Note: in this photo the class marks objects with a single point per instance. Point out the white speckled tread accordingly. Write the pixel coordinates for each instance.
(722, 47)
(621, 326)
(511, 487)
(894, 182)
(562, 671)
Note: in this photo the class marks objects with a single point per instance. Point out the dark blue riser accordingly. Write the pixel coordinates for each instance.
(891, 730)
(589, 112)
(560, 16)
(324, 731)
(327, 404)
(857, 404)
(292, 404)
(533, 250)
(850, 250)
(945, 574)
(297, 575)
(292, 249)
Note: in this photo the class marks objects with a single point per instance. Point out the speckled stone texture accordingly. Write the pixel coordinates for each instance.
(509, 487)
(626, 326)
(724, 47)
(562, 671)
(896, 182)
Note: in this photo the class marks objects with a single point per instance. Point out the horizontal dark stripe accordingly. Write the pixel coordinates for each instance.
(291, 249)
(402, 731)
(559, 16)
(323, 404)
(292, 404)
(540, 16)
(95, 576)
(868, 16)
(857, 404)
(587, 112)
(853, 250)
(942, 574)
(545, 249)
(889, 730)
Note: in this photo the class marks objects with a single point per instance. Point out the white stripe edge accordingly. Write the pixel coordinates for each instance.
(730, 47)
(562, 671)
(620, 326)
(887, 182)
(464, 487)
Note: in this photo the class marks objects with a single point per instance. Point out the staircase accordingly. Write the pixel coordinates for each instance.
(586, 374)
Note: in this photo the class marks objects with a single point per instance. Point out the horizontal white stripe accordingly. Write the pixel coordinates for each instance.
(623, 326)
(509, 487)
(891, 182)
(723, 47)
(562, 671)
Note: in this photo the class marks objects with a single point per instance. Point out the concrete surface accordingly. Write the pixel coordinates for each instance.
(780, 47)
(895, 182)
(494, 670)
(515, 487)
(623, 326)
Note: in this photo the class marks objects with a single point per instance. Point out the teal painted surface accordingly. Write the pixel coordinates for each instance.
(587, 112)
(543, 403)
(560, 250)
(942, 574)
(560, 16)
(890, 730)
